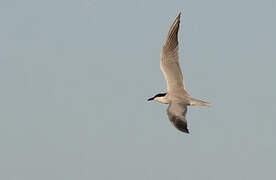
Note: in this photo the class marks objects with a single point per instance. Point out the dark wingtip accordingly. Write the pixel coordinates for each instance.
(177, 19)
(183, 129)
(179, 15)
(182, 126)
(186, 131)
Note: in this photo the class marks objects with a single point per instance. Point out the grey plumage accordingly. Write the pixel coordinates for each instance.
(177, 96)
(177, 113)
(169, 59)
(171, 69)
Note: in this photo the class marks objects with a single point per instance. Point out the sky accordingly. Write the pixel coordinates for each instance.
(75, 76)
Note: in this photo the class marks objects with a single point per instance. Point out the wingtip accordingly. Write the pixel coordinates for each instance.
(179, 15)
(181, 126)
(187, 132)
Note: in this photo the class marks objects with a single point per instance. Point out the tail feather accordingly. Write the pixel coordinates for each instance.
(195, 102)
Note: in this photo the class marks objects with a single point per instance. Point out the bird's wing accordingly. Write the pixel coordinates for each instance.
(169, 59)
(177, 113)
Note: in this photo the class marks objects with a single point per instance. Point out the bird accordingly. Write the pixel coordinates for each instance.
(176, 96)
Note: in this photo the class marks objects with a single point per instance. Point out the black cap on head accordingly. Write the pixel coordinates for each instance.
(157, 95)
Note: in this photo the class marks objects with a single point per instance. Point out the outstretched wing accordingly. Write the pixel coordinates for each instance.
(177, 113)
(169, 59)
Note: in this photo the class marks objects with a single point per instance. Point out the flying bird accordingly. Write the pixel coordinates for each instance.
(177, 96)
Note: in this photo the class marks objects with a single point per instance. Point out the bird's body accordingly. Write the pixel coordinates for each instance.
(177, 96)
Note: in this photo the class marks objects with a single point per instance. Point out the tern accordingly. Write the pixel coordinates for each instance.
(177, 96)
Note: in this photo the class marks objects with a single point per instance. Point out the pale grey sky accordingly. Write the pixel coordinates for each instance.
(75, 76)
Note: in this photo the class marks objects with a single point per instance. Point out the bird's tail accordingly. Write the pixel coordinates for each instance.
(195, 102)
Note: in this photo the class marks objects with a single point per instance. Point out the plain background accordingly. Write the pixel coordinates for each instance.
(75, 76)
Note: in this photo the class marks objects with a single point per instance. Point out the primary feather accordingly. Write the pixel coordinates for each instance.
(169, 59)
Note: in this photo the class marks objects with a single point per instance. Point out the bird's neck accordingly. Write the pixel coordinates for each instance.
(163, 100)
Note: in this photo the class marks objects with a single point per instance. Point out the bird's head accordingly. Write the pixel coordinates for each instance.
(157, 97)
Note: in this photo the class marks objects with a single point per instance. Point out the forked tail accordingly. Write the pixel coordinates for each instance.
(195, 102)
